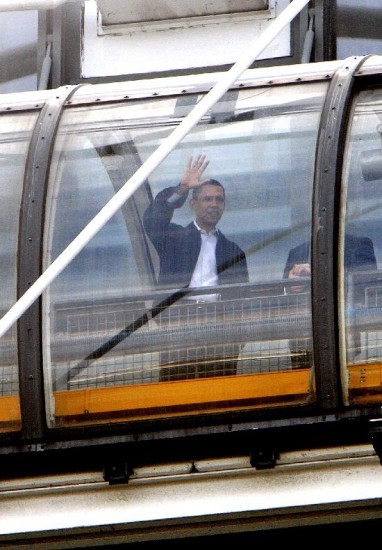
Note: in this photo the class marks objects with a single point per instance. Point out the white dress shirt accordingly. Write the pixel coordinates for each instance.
(205, 272)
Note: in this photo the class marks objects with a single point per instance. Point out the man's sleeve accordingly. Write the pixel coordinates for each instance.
(298, 255)
(365, 254)
(241, 267)
(288, 266)
(158, 215)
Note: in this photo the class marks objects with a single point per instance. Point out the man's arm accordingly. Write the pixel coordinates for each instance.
(158, 215)
(365, 256)
(297, 264)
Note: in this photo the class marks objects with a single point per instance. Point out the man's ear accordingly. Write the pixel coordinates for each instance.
(192, 203)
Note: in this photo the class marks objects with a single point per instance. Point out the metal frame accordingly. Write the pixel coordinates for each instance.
(30, 262)
(325, 231)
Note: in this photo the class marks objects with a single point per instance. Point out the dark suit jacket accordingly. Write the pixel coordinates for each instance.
(358, 254)
(178, 247)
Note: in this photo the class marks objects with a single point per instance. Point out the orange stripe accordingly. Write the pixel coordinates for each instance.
(10, 408)
(191, 392)
(365, 376)
(365, 383)
(196, 393)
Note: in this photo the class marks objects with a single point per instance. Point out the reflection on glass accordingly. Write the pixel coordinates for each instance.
(112, 327)
(361, 250)
(15, 133)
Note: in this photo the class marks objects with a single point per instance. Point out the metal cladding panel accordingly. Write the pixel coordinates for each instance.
(174, 44)
(197, 83)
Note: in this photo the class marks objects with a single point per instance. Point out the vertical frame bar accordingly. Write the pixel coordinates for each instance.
(325, 232)
(30, 262)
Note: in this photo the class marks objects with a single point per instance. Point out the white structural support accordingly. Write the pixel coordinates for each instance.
(303, 489)
(108, 211)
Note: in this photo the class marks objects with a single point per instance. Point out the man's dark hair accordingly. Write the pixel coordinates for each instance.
(196, 190)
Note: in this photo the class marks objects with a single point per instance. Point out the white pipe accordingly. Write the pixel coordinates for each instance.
(22, 5)
(308, 43)
(149, 166)
(46, 66)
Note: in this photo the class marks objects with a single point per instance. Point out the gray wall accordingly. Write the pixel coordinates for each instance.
(18, 51)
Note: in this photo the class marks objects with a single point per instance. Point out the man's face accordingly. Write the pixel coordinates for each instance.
(208, 206)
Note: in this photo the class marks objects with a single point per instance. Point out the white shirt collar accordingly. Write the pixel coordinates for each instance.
(204, 232)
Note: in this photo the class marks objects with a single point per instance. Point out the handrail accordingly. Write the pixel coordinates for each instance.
(144, 171)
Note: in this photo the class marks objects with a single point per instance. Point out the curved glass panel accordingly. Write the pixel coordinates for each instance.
(361, 249)
(15, 135)
(126, 337)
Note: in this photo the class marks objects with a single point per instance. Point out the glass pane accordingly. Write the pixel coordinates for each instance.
(117, 327)
(15, 134)
(362, 253)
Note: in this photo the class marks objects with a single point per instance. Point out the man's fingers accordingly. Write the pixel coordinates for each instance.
(201, 164)
(194, 170)
(199, 161)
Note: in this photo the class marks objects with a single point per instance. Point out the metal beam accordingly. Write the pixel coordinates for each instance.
(191, 499)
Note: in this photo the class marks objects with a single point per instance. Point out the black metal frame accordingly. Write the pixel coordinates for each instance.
(328, 170)
(30, 262)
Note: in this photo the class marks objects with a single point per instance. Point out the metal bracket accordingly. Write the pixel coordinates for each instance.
(263, 454)
(375, 431)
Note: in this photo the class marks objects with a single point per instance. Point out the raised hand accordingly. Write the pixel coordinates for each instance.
(193, 172)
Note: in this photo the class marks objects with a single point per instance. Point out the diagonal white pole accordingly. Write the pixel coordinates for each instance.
(151, 163)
